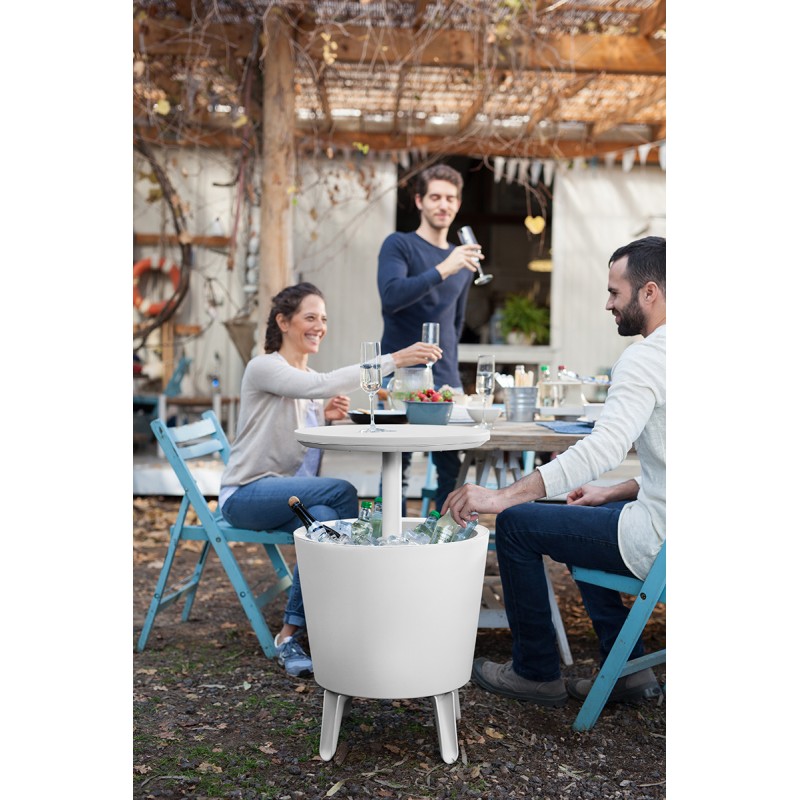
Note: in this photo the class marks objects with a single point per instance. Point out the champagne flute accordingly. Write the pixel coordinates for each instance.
(371, 378)
(484, 383)
(430, 335)
(467, 236)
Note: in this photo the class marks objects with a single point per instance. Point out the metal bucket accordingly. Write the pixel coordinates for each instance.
(520, 403)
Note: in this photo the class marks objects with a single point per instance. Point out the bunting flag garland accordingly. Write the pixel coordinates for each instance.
(628, 160)
(536, 171)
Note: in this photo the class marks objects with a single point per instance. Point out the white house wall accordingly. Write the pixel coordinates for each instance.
(204, 180)
(344, 212)
(596, 210)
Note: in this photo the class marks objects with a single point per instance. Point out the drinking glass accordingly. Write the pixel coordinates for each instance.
(484, 384)
(371, 378)
(430, 335)
(467, 236)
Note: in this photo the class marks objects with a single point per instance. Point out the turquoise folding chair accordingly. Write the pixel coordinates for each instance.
(649, 592)
(181, 445)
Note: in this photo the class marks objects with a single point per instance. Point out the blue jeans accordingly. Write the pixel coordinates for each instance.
(264, 505)
(582, 536)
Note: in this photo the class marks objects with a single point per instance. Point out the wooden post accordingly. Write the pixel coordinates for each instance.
(278, 179)
(167, 351)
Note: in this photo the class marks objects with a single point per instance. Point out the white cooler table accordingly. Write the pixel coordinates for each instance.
(368, 609)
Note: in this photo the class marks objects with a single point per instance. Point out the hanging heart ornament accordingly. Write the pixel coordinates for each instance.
(534, 224)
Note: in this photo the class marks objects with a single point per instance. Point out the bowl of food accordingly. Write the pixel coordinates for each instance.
(492, 413)
(421, 412)
(429, 407)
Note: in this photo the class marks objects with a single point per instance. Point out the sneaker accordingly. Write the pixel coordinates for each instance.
(629, 689)
(501, 679)
(293, 658)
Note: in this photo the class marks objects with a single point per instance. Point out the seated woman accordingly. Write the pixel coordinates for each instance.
(267, 465)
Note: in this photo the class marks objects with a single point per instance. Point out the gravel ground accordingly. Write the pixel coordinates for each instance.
(213, 718)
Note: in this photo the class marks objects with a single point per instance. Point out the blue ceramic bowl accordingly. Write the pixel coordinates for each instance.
(419, 412)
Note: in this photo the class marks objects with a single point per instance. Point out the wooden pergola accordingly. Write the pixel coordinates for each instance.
(534, 79)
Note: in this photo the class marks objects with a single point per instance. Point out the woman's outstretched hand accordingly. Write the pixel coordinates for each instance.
(418, 353)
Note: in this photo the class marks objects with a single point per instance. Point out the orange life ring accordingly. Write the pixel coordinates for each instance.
(146, 265)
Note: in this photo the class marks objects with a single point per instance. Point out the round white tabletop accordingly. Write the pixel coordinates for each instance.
(391, 441)
(393, 438)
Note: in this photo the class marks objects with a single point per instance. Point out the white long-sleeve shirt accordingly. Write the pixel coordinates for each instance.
(635, 413)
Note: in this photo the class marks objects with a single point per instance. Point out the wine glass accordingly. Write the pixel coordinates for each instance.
(484, 383)
(430, 335)
(467, 236)
(371, 378)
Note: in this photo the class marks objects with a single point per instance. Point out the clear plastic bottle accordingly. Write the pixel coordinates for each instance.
(545, 393)
(428, 525)
(362, 527)
(467, 532)
(446, 529)
(377, 517)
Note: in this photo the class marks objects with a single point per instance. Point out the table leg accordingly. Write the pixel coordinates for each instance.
(392, 482)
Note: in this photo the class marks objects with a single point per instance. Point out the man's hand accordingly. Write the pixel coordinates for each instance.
(591, 495)
(470, 499)
(464, 256)
(337, 407)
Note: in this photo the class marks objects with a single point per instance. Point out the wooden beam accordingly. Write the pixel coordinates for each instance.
(276, 257)
(358, 45)
(155, 239)
(472, 146)
(653, 18)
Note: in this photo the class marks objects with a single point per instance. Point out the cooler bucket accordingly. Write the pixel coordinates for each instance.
(520, 403)
(394, 621)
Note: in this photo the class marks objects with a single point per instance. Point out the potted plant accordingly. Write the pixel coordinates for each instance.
(523, 322)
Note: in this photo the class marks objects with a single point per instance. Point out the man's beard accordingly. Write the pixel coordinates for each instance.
(631, 319)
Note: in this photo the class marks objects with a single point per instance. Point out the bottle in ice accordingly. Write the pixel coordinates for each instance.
(468, 532)
(428, 525)
(362, 527)
(317, 530)
(377, 517)
(446, 529)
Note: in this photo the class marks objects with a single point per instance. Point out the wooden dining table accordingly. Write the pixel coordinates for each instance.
(504, 454)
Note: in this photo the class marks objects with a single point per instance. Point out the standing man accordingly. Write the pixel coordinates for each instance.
(620, 528)
(424, 278)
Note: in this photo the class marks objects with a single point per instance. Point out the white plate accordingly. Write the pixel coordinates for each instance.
(560, 411)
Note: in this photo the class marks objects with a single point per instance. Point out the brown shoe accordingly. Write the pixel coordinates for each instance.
(630, 689)
(501, 679)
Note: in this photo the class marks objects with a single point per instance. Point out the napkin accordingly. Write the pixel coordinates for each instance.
(568, 427)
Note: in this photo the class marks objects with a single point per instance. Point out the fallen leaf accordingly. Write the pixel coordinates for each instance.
(335, 788)
(267, 748)
(491, 732)
(205, 767)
